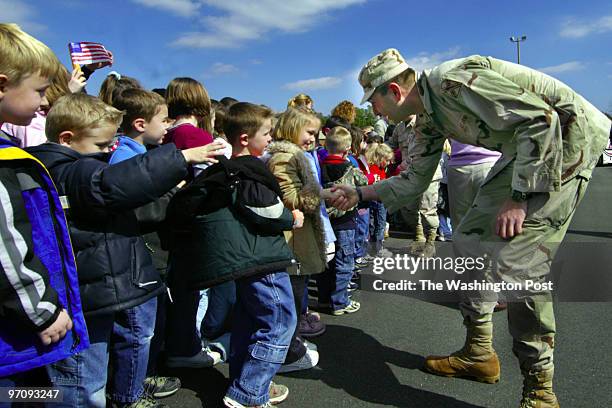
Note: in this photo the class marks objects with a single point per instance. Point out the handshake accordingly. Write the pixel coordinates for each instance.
(342, 196)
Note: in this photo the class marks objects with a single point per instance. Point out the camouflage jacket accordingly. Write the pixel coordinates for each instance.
(403, 138)
(550, 132)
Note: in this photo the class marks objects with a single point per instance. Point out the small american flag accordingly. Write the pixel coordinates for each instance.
(84, 53)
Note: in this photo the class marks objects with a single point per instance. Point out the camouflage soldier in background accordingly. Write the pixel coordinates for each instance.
(423, 216)
(550, 139)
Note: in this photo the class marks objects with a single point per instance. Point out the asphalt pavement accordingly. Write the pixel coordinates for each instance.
(374, 357)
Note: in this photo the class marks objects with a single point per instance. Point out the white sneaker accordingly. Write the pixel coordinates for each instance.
(309, 360)
(205, 358)
(309, 345)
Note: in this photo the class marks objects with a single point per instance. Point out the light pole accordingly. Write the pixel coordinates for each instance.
(518, 41)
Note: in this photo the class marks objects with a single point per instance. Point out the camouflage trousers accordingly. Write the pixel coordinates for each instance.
(425, 213)
(526, 257)
(463, 185)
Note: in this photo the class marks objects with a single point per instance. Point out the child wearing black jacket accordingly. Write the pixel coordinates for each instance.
(115, 270)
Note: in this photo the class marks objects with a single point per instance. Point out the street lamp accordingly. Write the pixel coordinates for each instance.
(518, 41)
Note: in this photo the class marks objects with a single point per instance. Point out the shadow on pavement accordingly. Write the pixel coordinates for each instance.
(357, 363)
(209, 384)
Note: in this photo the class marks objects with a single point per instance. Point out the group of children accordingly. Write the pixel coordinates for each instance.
(235, 194)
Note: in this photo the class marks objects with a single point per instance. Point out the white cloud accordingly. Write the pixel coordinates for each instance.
(240, 21)
(255, 62)
(313, 84)
(426, 60)
(15, 11)
(220, 68)
(183, 8)
(575, 29)
(565, 67)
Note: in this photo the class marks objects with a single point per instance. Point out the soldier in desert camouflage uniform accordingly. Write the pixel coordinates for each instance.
(423, 216)
(550, 138)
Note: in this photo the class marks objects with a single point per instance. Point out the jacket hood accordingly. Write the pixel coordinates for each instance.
(54, 154)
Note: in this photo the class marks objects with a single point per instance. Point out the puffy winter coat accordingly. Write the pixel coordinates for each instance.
(228, 224)
(114, 265)
(38, 275)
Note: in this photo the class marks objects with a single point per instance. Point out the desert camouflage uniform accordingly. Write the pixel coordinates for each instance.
(550, 139)
(423, 215)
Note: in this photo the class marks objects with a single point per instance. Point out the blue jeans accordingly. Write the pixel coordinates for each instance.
(378, 212)
(124, 337)
(445, 226)
(132, 333)
(264, 321)
(362, 232)
(333, 283)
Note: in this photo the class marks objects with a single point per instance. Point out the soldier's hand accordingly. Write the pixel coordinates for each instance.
(510, 219)
(298, 219)
(57, 330)
(344, 197)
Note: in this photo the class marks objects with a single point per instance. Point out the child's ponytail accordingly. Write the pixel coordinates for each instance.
(114, 84)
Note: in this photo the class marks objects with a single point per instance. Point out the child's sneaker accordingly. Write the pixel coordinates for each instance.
(311, 328)
(161, 387)
(309, 360)
(353, 286)
(277, 394)
(352, 307)
(230, 403)
(205, 358)
(309, 345)
(146, 401)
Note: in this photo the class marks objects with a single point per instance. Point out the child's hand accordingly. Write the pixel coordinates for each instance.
(57, 330)
(204, 154)
(77, 81)
(98, 65)
(298, 219)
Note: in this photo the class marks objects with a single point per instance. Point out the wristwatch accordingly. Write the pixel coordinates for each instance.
(359, 193)
(519, 196)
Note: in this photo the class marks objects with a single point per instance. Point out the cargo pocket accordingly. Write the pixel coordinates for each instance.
(557, 208)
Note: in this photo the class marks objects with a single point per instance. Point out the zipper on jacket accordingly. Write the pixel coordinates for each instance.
(76, 339)
(142, 285)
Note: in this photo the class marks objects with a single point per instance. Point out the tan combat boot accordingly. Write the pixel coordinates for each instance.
(419, 233)
(476, 360)
(537, 390)
(417, 247)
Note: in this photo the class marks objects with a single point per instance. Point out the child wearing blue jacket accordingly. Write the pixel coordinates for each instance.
(41, 320)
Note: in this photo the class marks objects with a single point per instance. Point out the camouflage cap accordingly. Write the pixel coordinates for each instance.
(386, 65)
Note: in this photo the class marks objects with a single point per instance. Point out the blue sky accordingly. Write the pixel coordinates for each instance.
(266, 51)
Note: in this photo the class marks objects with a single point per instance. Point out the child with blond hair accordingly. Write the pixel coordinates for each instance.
(337, 169)
(41, 321)
(115, 270)
(378, 156)
(293, 161)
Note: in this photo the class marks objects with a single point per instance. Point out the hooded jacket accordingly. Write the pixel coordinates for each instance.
(228, 224)
(38, 275)
(301, 191)
(114, 265)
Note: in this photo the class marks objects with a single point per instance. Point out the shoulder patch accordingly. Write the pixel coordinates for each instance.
(450, 87)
